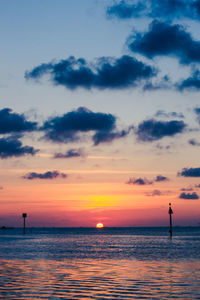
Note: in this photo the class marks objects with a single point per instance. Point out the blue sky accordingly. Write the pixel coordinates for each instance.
(49, 31)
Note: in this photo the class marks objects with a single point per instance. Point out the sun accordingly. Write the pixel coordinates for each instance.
(99, 225)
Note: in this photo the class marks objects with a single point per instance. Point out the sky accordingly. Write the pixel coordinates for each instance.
(100, 112)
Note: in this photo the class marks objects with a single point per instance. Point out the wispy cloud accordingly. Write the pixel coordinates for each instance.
(71, 153)
(172, 114)
(139, 181)
(46, 175)
(161, 178)
(107, 137)
(165, 9)
(155, 193)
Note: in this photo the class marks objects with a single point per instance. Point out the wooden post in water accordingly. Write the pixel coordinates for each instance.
(170, 220)
(24, 215)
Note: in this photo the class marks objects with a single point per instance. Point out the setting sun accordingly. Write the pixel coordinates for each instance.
(99, 225)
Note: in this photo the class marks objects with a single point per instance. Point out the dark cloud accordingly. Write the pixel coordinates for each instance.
(107, 137)
(165, 9)
(189, 196)
(66, 128)
(71, 153)
(197, 112)
(164, 39)
(164, 114)
(190, 172)
(190, 83)
(46, 175)
(152, 130)
(160, 178)
(139, 181)
(13, 122)
(193, 142)
(106, 73)
(12, 147)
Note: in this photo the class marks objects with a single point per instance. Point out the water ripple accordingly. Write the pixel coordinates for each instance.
(98, 279)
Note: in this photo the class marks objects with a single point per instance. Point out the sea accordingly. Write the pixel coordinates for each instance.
(106, 263)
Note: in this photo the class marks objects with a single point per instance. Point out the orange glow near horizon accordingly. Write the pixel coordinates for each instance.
(99, 225)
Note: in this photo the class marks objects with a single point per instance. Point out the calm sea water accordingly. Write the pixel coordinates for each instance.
(108, 263)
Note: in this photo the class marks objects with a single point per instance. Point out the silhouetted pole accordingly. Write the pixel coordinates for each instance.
(24, 215)
(170, 220)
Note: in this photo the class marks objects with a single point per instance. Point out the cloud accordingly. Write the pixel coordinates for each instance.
(165, 9)
(66, 128)
(193, 142)
(197, 186)
(71, 153)
(189, 189)
(12, 147)
(123, 10)
(105, 73)
(161, 147)
(163, 83)
(190, 83)
(46, 175)
(152, 130)
(164, 114)
(189, 196)
(107, 137)
(160, 178)
(190, 172)
(164, 39)
(13, 122)
(70, 126)
(197, 112)
(139, 181)
(157, 193)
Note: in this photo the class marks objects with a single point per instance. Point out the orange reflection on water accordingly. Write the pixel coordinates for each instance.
(98, 279)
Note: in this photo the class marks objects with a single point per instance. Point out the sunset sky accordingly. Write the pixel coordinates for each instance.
(100, 112)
